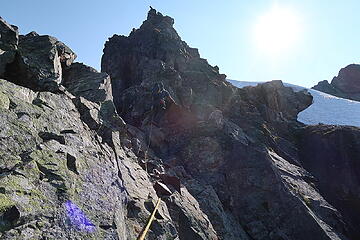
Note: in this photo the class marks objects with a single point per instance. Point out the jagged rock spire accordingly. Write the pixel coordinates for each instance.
(156, 17)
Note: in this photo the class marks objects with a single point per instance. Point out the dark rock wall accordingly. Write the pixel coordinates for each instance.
(332, 155)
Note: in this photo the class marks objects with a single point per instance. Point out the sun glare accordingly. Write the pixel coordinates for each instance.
(277, 31)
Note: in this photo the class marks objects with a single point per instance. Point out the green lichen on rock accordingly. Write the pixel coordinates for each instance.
(5, 203)
(4, 101)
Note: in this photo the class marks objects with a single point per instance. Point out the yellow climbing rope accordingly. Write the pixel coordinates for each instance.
(152, 216)
(146, 229)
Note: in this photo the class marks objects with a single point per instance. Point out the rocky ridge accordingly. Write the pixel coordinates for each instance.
(228, 163)
(345, 85)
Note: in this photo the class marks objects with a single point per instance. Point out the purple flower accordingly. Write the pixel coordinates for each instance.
(77, 218)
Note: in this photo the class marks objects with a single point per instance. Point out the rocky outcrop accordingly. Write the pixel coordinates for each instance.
(85, 81)
(9, 38)
(348, 80)
(154, 53)
(345, 85)
(326, 87)
(277, 102)
(32, 61)
(38, 62)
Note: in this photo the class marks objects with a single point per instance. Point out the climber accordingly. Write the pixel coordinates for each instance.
(152, 12)
(161, 100)
(161, 97)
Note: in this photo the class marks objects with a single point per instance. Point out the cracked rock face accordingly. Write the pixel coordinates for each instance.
(335, 166)
(37, 178)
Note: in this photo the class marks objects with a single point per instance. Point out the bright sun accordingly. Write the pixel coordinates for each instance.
(277, 31)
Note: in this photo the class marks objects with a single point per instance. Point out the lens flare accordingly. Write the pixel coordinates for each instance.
(278, 30)
(77, 218)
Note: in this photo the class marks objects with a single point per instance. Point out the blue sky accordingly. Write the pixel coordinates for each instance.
(222, 30)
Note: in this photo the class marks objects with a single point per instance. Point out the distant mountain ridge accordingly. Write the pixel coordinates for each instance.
(325, 109)
(345, 85)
